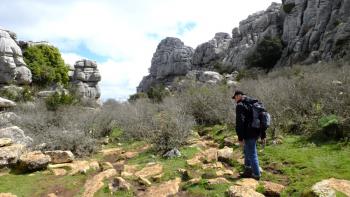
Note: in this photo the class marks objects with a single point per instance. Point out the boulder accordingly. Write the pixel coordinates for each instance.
(59, 156)
(172, 58)
(16, 135)
(119, 183)
(33, 161)
(13, 70)
(5, 103)
(225, 154)
(328, 187)
(172, 153)
(9, 155)
(272, 189)
(5, 142)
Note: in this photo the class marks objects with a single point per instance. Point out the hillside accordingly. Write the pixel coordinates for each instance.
(176, 137)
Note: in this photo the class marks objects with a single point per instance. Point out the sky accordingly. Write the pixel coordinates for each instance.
(121, 35)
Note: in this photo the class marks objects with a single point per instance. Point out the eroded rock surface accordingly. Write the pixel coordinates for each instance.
(13, 70)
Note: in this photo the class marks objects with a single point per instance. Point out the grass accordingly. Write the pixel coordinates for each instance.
(22, 185)
(203, 189)
(301, 163)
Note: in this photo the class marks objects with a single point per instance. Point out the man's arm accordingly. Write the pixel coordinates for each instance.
(240, 118)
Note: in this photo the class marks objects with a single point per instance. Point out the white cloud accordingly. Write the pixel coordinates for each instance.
(125, 33)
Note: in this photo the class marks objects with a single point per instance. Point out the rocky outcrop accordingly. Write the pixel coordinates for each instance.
(207, 55)
(85, 79)
(295, 32)
(315, 30)
(13, 70)
(245, 38)
(172, 58)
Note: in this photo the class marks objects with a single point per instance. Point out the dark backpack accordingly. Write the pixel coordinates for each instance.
(261, 119)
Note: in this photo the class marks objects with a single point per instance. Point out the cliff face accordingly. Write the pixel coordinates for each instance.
(315, 30)
(308, 31)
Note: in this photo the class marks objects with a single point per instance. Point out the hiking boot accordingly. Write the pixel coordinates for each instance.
(255, 177)
(247, 173)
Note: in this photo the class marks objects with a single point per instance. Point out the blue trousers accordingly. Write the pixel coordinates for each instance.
(251, 156)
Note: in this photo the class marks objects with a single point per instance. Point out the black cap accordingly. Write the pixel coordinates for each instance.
(237, 92)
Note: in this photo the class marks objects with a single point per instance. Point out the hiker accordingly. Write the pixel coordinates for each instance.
(247, 135)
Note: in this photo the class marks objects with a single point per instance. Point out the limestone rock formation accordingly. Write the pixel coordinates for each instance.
(208, 54)
(85, 79)
(296, 31)
(172, 58)
(315, 30)
(262, 24)
(13, 70)
(10, 154)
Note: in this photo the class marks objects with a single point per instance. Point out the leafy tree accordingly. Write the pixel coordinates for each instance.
(46, 64)
(266, 54)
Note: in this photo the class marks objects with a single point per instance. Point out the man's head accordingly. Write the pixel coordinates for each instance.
(238, 95)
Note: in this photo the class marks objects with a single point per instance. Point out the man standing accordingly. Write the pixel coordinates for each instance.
(248, 136)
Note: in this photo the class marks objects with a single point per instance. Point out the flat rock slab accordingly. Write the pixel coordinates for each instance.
(163, 190)
(59, 156)
(95, 183)
(111, 151)
(328, 188)
(79, 166)
(149, 171)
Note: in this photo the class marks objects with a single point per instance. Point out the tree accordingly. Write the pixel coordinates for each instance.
(46, 65)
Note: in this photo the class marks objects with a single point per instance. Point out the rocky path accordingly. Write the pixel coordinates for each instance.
(118, 171)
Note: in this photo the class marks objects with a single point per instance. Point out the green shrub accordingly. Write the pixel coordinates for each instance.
(58, 99)
(287, 8)
(18, 94)
(137, 96)
(266, 54)
(157, 93)
(46, 65)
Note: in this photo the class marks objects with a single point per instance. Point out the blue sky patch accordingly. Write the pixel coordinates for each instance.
(182, 28)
